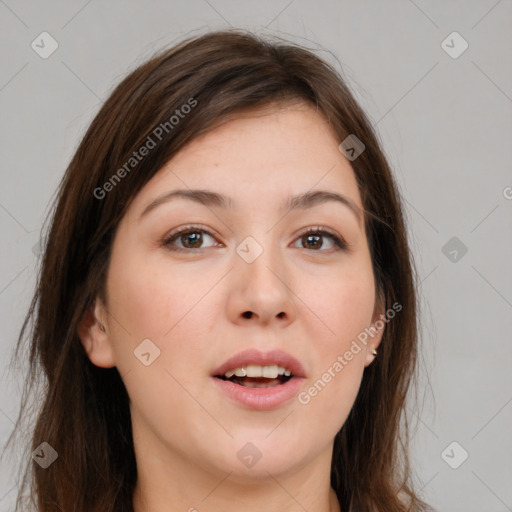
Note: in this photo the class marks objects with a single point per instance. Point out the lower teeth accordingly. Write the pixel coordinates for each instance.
(258, 382)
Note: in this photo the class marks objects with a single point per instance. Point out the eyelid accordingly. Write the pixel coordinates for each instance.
(313, 229)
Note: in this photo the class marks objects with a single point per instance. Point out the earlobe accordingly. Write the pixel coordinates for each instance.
(94, 336)
(379, 325)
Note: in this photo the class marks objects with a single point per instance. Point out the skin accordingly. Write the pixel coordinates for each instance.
(309, 300)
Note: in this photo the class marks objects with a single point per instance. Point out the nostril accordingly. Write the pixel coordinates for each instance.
(247, 314)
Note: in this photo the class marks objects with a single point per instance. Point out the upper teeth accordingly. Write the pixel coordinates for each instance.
(252, 370)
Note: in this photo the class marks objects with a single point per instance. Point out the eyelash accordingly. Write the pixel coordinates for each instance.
(339, 243)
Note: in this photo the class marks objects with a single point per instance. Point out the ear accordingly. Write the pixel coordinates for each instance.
(94, 334)
(377, 329)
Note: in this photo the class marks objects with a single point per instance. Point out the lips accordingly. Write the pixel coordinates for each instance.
(260, 393)
(257, 358)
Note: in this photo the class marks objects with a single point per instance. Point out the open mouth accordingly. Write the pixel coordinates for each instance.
(254, 376)
(260, 381)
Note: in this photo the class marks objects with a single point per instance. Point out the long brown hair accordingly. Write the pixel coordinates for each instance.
(84, 413)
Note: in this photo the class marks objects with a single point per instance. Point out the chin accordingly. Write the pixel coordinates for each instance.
(251, 455)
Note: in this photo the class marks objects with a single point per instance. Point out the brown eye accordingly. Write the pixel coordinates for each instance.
(187, 238)
(314, 239)
(191, 239)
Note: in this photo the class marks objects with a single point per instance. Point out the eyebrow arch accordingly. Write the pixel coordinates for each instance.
(205, 197)
(213, 199)
(310, 199)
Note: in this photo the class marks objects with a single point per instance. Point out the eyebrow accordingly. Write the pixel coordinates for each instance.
(216, 200)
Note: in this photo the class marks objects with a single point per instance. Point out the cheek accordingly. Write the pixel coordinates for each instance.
(151, 298)
(341, 303)
(345, 305)
(162, 303)
(328, 400)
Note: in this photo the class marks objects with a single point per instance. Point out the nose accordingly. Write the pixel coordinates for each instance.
(261, 291)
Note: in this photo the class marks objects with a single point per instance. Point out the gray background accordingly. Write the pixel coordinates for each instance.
(445, 124)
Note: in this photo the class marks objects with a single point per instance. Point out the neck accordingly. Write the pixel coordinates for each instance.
(228, 497)
(168, 483)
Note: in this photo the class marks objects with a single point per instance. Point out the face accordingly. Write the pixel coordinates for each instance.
(196, 280)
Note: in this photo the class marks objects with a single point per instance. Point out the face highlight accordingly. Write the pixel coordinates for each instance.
(251, 238)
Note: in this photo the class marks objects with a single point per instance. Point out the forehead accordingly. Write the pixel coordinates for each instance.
(265, 154)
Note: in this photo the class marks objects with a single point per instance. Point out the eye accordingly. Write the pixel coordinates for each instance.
(190, 237)
(313, 238)
(193, 237)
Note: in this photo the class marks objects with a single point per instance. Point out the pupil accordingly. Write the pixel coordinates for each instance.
(312, 237)
(193, 239)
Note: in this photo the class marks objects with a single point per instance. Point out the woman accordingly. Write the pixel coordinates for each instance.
(226, 309)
